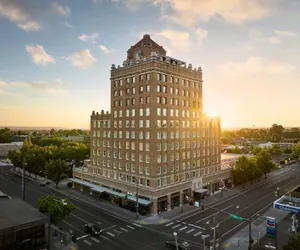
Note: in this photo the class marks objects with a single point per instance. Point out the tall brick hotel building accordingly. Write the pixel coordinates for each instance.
(156, 141)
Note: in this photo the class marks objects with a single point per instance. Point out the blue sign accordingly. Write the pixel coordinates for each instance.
(271, 226)
(287, 208)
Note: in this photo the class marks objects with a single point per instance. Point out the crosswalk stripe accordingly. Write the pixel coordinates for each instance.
(99, 222)
(104, 237)
(125, 230)
(130, 227)
(191, 230)
(169, 224)
(181, 229)
(192, 225)
(111, 234)
(196, 234)
(115, 230)
(137, 225)
(87, 242)
(94, 239)
(178, 225)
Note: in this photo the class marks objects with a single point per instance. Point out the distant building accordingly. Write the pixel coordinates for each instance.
(6, 147)
(157, 139)
(77, 138)
(19, 138)
(22, 227)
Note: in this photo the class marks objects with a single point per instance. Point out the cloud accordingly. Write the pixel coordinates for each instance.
(201, 35)
(285, 33)
(82, 59)
(106, 50)
(256, 65)
(178, 39)
(89, 38)
(257, 37)
(61, 10)
(39, 55)
(69, 25)
(55, 87)
(233, 11)
(16, 13)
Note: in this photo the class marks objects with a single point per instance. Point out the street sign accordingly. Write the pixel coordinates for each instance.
(271, 226)
(236, 217)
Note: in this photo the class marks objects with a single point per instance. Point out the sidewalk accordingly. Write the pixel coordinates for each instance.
(241, 239)
(163, 217)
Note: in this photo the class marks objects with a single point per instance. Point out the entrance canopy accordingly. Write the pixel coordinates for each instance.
(288, 203)
(201, 191)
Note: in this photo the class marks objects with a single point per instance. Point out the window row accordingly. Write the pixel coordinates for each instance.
(176, 91)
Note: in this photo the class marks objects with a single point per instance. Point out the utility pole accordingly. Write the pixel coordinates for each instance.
(214, 236)
(250, 236)
(49, 232)
(137, 198)
(23, 180)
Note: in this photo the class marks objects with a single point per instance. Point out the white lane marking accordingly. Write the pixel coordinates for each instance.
(87, 242)
(130, 227)
(212, 214)
(125, 230)
(94, 239)
(105, 229)
(111, 234)
(183, 228)
(196, 234)
(104, 237)
(115, 230)
(178, 221)
(169, 224)
(191, 230)
(178, 225)
(183, 222)
(82, 237)
(70, 225)
(79, 218)
(192, 225)
(137, 225)
(99, 222)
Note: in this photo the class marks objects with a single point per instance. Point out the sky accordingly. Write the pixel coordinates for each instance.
(56, 56)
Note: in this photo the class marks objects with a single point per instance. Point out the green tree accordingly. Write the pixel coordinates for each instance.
(254, 170)
(241, 170)
(293, 243)
(58, 209)
(50, 141)
(5, 135)
(57, 170)
(296, 151)
(287, 150)
(275, 149)
(15, 157)
(35, 160)
(276, 132)
(255, 150)
(264, 162)
(236, 150)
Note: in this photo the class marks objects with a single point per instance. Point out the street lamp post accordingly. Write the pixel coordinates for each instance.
(204, 238)
(249, 220)
(175, 236)
(137, 198)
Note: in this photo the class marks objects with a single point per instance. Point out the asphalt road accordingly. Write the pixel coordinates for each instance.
(255, 201)
(118, 233)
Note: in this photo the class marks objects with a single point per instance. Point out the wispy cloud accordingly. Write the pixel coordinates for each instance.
(201, 35)
(233, 11)
(69, 25)
(286, 33)
(16, 13)
(256, 65)
(89, 38)
(179, 40)
(55, 87)
(61, 10)
(82, 59)
(39, 55)
(106, 50)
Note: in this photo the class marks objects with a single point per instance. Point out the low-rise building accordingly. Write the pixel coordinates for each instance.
(6, 147)
(22, 227)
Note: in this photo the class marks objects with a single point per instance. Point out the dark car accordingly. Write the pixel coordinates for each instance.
(182, 245)
(92, 229)
(44, 183)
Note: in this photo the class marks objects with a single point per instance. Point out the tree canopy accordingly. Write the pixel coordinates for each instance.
(57, 170)
(55, 207)
(293, 243)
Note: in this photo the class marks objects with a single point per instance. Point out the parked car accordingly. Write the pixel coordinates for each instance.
(44, 183)
(92, 229)
(182, 245)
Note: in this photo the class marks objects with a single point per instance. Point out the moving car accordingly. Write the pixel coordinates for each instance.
(182, 245)
(92, 229)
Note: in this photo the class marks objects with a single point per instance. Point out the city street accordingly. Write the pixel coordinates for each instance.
(118, 233)
(256, 202)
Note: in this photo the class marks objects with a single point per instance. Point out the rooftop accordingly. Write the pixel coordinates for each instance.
(17, 213)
